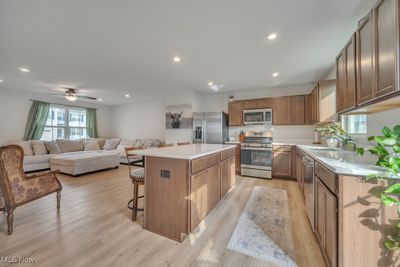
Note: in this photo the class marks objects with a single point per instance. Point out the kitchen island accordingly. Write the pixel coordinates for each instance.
(183, 184)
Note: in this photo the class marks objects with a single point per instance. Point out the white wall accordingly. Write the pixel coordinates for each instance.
(14, 109)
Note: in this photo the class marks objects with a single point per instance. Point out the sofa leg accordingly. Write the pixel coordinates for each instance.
(10, 220)
(58, 199)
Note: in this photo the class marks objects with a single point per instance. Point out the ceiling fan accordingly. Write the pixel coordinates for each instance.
(72, 94)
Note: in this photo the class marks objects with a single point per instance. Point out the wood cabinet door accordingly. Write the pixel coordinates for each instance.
(386, 46)
(199, 198)
(326, 221)
(307, 110)
(214, 187)
(281, 111)
(282, 164)
(350, 72)
(237, 159)
(228, 175)
(340, 82)
(297, 116)
(251, 104)
(315, 105)
(265, 103)
(365, 69)
(235, 113)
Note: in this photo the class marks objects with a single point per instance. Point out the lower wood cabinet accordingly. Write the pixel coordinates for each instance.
(228, 175)
(282, 161)
(326, 222)
(300, 172)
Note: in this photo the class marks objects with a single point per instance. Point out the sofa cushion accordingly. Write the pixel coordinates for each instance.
(39, 147)
(26, 146)
(111, 144)
(101, 141)
(127, 142)
(91, 145)
(36, 159)
(70, 145)
(52, 147)
(150, 142)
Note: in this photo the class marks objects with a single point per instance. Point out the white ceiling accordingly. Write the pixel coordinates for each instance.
(110, 48)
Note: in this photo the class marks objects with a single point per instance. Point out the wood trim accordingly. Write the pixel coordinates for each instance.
(227, 153)
(327, 177)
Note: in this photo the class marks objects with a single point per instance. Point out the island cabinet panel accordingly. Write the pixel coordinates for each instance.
(365, 69)
(386, 46)
(199, 197)
(213, 187)
(167, 213)
(227, 153)
(228, 175)
(205, 162)
(236, 113)
(363, 224)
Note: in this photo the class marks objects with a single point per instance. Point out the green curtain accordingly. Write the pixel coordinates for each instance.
(91, 123)
(37, 118)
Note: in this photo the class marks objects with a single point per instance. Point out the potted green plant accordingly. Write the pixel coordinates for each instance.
(387, 149)
(335, 135)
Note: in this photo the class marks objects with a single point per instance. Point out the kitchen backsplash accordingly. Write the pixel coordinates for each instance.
(279, 132)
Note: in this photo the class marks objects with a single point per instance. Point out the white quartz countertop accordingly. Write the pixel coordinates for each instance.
(343, 162)
(189, 152)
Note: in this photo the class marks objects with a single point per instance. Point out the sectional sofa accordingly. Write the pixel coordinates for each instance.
(41, 155)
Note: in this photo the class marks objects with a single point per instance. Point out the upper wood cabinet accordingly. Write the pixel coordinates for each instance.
(297, 111)
(346, 77)
(281, 114)
(251, 104)
(314, 97)
(386, 27)
(365, 69)
(236, 113)
(265, 103)
(258, 103)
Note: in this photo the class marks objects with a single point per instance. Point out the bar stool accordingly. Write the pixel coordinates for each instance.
(137, 177)
(183, 143)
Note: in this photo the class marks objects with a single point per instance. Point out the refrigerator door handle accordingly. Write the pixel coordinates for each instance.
(204, 132)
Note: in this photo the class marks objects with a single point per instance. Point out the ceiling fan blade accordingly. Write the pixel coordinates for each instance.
(56, 94)
(87, 97)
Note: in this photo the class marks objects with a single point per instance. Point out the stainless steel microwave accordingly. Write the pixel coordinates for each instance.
(257, 116)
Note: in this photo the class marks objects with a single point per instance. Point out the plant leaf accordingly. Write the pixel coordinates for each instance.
(386, 131)
(394, 189)
(360, 151)
(389, 244)
(388, 200)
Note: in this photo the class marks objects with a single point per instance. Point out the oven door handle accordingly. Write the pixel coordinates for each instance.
(257, 148)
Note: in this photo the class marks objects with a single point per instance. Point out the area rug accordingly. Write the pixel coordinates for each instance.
(264, 228)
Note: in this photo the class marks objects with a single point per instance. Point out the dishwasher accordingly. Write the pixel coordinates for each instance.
(308, 174)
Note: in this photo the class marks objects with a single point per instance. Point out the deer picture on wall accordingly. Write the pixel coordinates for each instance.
(176, 119)
(179, 117)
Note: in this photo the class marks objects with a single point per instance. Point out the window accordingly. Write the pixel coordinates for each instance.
(355, 124)
(65, 123)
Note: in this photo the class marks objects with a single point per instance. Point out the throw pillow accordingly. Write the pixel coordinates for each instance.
(100, 141)
(111, 144)
(39, 147)
(70, 145)
(26, 146)
(91, 145)
(52, 147)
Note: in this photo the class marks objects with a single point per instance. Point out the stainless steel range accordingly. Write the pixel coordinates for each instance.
(256, 155)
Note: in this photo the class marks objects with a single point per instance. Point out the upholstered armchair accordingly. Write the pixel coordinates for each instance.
(16, 188)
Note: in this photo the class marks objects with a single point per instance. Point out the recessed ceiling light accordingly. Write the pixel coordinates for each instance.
(100, 99)
(1, 81)
(24, 69)
(127, 95)
(177, 59)
(275, 74)
(272, 36)
(210, 84)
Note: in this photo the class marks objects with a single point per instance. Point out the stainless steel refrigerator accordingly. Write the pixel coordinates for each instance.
(210, 127)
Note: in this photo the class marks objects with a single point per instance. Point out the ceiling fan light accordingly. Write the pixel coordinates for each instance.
(71, 97)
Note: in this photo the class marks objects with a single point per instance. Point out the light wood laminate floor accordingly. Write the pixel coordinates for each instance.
(93, 228)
